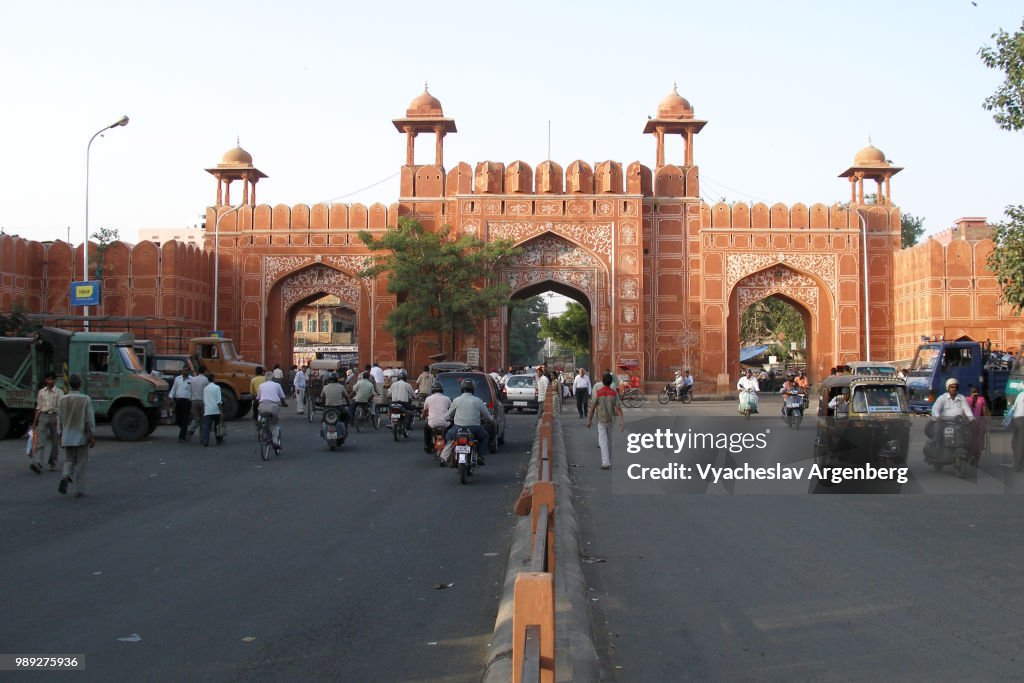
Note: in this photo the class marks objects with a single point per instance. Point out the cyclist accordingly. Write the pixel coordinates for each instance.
(467, 410)
(400, 391)
(333, 396)
(362, 393)
(435, 412)
(270, 397)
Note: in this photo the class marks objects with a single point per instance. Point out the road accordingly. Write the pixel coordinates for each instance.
(207, 564)
(689, 583)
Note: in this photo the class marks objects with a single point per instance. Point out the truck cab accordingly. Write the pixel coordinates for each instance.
(969, 362)
(232, 374)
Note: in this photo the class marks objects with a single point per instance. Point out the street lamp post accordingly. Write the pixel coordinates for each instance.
(216, 259)
(867, 305)
(123, 121)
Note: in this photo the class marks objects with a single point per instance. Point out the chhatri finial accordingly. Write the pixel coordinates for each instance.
(238, 140)
(426, 88)
(869, 139)
(675, 87)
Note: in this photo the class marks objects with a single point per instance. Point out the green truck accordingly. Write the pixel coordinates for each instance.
(121, 391)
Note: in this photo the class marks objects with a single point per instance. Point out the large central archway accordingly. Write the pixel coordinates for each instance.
(543, 287)
(801, 290)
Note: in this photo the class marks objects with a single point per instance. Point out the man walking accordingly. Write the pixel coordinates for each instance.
(181, 394)
(197, 385)
(581, 387)
(212, 400)
(606, 406)
(1016, 417)
(44, 424)
(542, 389)
(299, 382)
(77, 428)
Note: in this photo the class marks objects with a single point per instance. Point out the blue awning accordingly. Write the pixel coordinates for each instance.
(752, 352)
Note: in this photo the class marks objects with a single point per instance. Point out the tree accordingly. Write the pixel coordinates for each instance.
(104, 238)
(16, 322)
(911, 229)
(1008, 57)
(1007, 259)
(524, 339)
(439, 279)
(571, 330)
(771, 320)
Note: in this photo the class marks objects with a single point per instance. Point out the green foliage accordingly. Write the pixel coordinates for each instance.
(524, 340)
(771, 320)
(439, 279)
(571, 330)
(1008, 100)
(16, 322)
(1007, 259)
(104, 237)
(911, 229)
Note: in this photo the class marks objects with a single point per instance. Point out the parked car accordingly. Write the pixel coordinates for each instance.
(520, 392)
(484, 388)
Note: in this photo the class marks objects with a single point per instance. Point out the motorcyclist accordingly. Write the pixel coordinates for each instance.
(748, 383)
(679, 383)
(400, 391)
(802, 383)
(951, 404)
(787, 387)
(334, 395)
(435, 412)
(467, 410)
(688, 381)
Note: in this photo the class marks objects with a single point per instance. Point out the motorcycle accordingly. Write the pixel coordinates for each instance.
(399, 421)
(332, 428)
(793, 408)
(947, 444)
(465, 453)
(748, 403)
(670, 393)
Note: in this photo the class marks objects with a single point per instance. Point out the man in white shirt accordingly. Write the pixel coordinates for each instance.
(300, 389)
(581, 387)
(212, 400)
(270, 398)
(951, 404)
(748, 388)
(400, 391)
(181, 394)
(377, 374)
(435, 412)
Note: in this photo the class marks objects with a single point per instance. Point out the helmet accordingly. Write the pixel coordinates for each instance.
(952, 381)
(436, 387)
(333, 377)
(467, 385)
(678, 373)
(401, 374)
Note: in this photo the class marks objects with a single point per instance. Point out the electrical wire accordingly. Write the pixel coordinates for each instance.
(363, 189)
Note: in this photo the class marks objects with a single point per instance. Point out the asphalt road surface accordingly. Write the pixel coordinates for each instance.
(207, 564)
(747, 582)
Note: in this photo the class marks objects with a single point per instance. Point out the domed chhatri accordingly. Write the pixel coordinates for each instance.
(236, 157)
(424, 105)
(870, 156)
(674, 106)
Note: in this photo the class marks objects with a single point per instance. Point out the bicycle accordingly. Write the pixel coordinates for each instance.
(633, 398)
(362, 417)
(265, 437)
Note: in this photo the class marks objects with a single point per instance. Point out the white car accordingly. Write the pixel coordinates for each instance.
(520, 392)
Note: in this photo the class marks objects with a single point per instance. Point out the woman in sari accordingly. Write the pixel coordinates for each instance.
(979, 427)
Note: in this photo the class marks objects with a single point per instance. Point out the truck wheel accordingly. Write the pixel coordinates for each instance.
(5, 423)
(130, 423)
(230, 402)
(244, 407)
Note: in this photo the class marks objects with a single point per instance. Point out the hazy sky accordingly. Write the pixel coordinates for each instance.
(790, 90)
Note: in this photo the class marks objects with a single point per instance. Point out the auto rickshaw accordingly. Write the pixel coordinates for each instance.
(875, 429)
(319, 369)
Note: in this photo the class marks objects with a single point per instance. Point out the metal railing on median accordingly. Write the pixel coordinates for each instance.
(533, 618)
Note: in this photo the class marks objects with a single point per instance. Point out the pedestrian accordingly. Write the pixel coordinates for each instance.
(299, 383)
(289, 387)
(278, 374)
(606, 406)
(181, 394)
(77, 435)
(198, 385)
(212, 405)
(1015, 419)
(581, 386)
(542, 389)
(44, 424)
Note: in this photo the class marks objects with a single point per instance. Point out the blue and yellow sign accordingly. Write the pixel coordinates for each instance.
(85, 293)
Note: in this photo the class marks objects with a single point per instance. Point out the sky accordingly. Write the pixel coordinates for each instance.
(790, 90)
